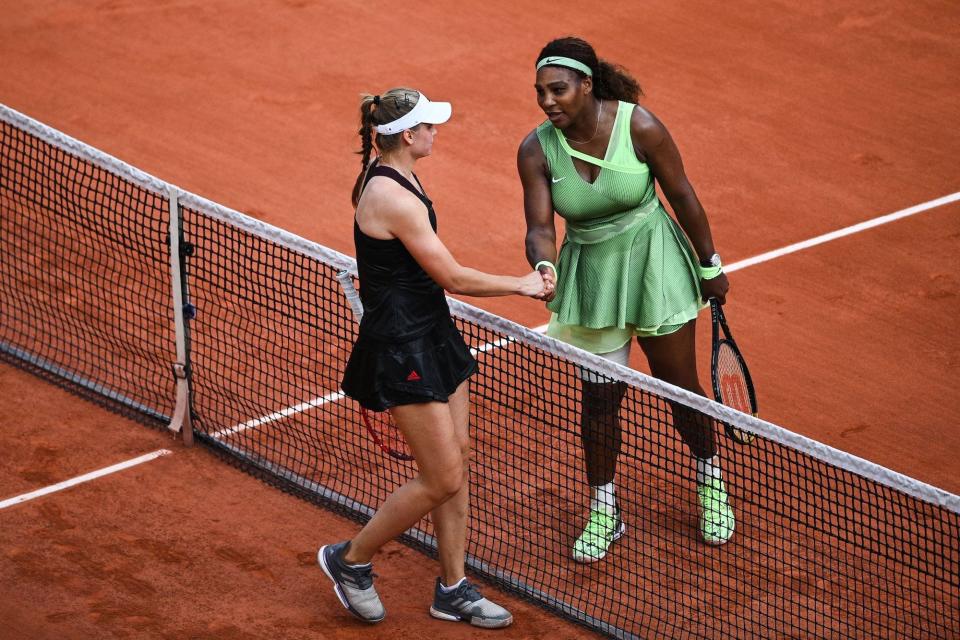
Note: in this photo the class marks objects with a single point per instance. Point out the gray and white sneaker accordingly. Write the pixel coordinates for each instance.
(352, 584)
(467, 605)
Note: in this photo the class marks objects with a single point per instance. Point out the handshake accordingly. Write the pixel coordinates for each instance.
(541, 283)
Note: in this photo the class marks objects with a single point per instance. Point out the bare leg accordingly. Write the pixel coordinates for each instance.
(600, 432)
(450, 518)
(430, 433)
(673, 358)
(600, 429)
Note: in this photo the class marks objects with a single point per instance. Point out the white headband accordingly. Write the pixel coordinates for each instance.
(423, 112)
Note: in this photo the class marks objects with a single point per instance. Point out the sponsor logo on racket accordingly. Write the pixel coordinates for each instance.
(733, 392)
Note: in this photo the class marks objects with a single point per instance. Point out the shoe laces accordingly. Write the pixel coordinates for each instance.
(468, 591)
(713, 495)
(601, 525)
(364, 576)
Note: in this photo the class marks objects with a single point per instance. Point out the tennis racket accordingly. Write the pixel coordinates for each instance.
(379, 424)
(732, 384)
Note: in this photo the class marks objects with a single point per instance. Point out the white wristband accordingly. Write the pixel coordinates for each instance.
(545, 263)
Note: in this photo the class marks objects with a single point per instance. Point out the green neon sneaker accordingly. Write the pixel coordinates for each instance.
(601, 531)
(716, 516)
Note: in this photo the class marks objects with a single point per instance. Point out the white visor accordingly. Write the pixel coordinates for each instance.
(423, 111)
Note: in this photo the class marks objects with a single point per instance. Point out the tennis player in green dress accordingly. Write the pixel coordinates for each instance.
(625, 269)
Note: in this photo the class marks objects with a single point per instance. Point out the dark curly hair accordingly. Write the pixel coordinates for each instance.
(610, 81)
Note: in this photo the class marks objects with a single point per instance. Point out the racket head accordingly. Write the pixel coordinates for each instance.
(733, 387)
(732, 384)
(385, 433)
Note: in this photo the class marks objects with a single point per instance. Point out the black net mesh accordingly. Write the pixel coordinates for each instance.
(85, 276)
(818, 552)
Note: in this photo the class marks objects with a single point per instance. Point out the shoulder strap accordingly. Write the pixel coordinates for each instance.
(389, 172)
(623, 114)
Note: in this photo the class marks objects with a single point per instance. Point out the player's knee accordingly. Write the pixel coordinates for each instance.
(601, 407)
(683, 378)
(450, 486)
(446, 484)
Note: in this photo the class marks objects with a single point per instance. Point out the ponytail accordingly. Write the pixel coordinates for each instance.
(367, 105)
(613, 82)
(376, 110)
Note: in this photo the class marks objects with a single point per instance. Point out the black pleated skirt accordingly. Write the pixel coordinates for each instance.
(428, 368)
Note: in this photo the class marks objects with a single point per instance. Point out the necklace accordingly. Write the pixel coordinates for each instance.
(596, 130)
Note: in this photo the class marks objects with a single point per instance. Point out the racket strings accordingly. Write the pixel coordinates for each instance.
(734, 391)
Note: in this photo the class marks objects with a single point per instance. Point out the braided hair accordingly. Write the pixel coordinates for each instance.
(610, 81)
(375, 110)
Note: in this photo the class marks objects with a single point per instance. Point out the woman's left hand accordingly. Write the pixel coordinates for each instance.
(715, 288)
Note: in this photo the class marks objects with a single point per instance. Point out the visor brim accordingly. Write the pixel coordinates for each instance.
(435, 113)
(424, 111)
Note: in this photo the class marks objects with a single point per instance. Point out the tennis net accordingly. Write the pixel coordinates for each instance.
(179, 311)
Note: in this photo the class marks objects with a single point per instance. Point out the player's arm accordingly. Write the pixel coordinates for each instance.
(656, 147)
(541, 239)
(407, 220)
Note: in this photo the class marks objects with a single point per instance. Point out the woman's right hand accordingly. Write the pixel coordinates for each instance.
(534, 285)
(549, 283)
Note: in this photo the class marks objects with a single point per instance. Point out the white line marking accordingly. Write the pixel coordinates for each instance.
(488, 346)
(827, 237)
(283, 413)
(320, 401)
(66, 484)
(846, 231)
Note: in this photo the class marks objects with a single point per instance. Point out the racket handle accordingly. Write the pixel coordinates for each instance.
(346, 281)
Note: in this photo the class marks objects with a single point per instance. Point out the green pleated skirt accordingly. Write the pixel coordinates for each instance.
(642, 282)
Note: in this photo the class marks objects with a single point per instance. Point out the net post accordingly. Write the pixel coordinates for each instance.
(182, 311)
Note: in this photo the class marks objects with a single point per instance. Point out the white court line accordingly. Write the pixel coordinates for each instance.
(66, 484)
(489, 346)
(322, 400)
(277, 415)
(827, 237)
(846, 231)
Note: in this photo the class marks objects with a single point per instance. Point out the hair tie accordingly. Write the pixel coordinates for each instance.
(376, 100)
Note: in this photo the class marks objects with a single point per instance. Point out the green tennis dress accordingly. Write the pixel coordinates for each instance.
(625, 266)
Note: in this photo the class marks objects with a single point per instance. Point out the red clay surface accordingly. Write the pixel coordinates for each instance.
(793, 121)
(184, 546)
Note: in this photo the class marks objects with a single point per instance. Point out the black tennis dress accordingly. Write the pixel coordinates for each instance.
(407, 350)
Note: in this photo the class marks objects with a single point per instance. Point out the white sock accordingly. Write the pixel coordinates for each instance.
(603, 498)
(708, 468)
(447, 589)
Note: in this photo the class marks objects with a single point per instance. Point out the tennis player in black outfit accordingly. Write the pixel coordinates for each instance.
(410, 359)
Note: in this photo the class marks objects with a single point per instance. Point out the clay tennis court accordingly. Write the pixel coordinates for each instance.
(793, 123)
